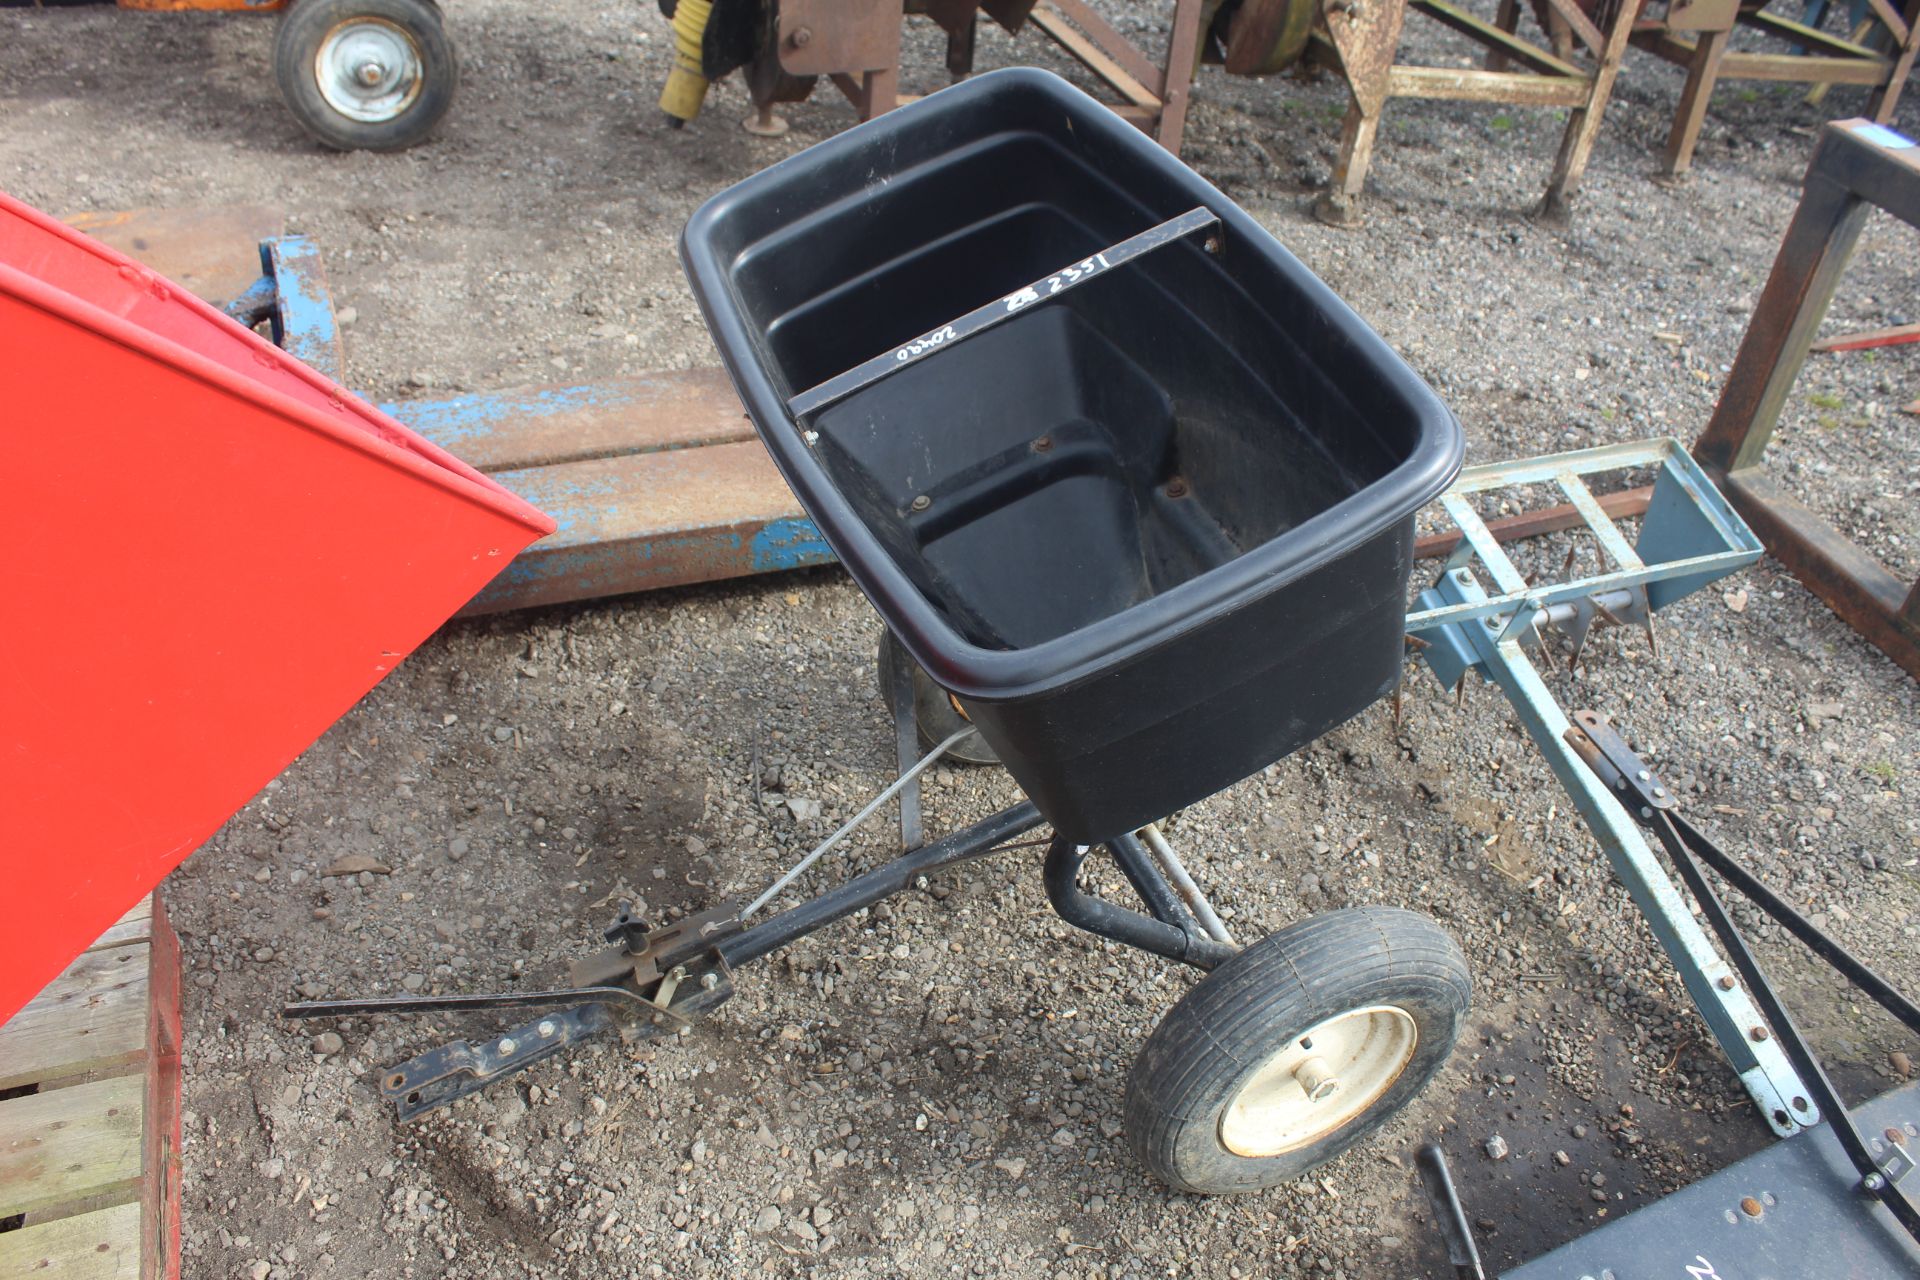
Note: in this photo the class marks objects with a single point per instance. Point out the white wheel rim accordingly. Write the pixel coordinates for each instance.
(369, 70)
(1349, 1060)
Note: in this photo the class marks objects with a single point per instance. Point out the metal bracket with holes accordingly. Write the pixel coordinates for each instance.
(453, 1071)
(1688, 538)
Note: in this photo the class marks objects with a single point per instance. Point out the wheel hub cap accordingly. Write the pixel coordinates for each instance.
(369, 70)
(1323, 1080)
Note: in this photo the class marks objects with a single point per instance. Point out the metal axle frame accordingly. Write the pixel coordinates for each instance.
(651, 981)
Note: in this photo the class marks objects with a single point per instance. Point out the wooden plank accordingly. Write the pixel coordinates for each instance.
(1695, 95)
(1486, 86)
(160, 1161)
(1580, 23)
(1887, 14)
(544, 426)
(1498, 42)
(214, 253)
(134, 927)
(71, 1145)
(1794, 69)
(1813, 37)
(102, 1245)
(91, 1018)
(1176, 89)
(1095, 58)
(1654, 39)
(1892, 336)
(652, 520)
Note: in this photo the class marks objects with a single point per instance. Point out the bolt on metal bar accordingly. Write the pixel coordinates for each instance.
(846, 828)
(1484, 545)
(982, 318)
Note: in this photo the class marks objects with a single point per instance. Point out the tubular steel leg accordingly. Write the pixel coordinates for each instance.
(1730, 1014)
(906, 735)
(1701, 74)
(1147, 881)
(1182, 882)
(1083, 911)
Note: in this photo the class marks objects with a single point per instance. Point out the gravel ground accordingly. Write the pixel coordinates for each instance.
(935, 1088)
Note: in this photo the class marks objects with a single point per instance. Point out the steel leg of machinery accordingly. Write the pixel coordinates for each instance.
(1770, 1079)
(1689, 537)
(1171, 931)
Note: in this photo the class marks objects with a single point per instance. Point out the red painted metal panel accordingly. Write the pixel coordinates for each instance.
(211, 553)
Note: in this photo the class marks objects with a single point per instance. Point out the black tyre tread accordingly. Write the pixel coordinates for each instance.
(297, 38)
(1353, 957)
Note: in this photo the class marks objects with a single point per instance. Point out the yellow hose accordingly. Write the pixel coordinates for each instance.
(686, 88)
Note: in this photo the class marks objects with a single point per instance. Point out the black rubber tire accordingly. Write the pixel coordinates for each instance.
(1212, 1042)
(304, 28)
(934, 716)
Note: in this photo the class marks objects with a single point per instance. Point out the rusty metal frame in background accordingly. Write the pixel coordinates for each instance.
(1154, 96)
(1694, 34)
(1364, 36)
(1857, 166)
(856, 45)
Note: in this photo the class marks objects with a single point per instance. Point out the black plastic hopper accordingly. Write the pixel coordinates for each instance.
(1115, 468)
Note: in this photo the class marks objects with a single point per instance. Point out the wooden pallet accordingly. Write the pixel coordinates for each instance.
(90, 1114)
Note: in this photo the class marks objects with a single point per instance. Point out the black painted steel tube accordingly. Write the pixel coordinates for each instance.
(883, 881)
(1448, 1214)
(1149, 882)
(1821, 944)
(1083, 911)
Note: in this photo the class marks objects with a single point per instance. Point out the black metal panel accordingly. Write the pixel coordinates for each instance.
(1814, 1222)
